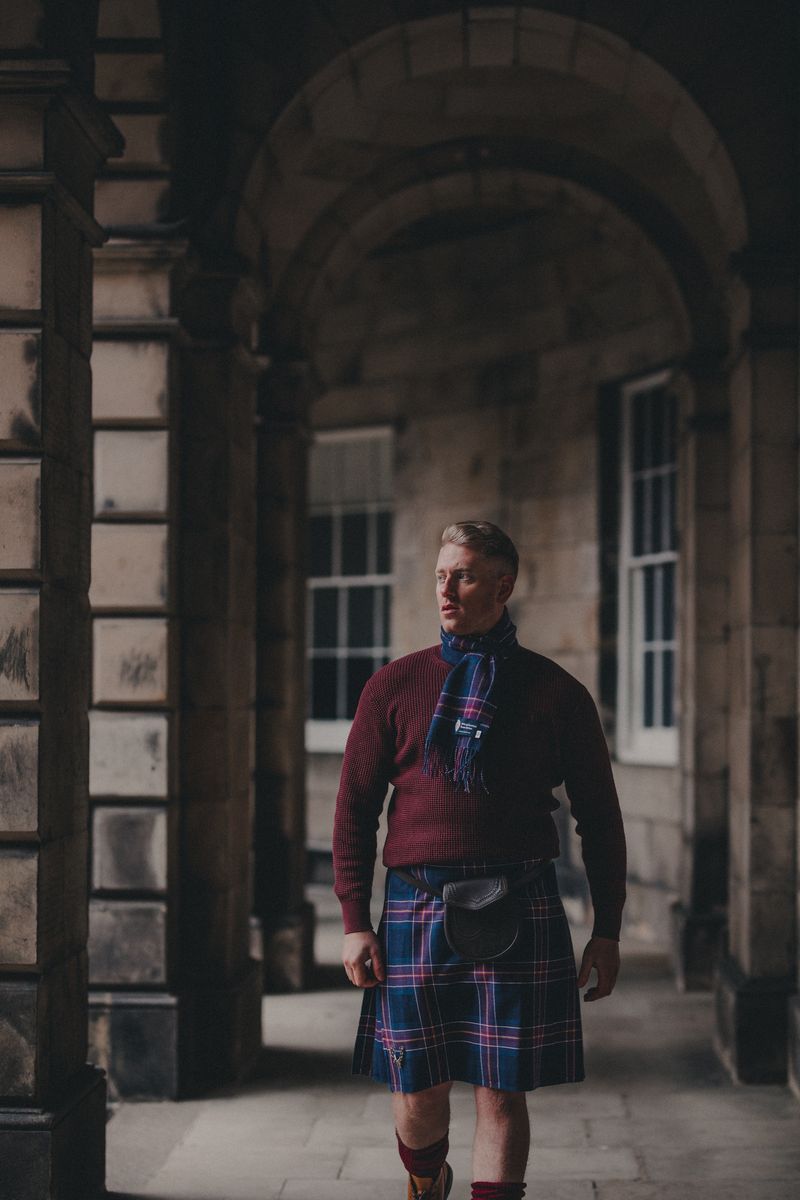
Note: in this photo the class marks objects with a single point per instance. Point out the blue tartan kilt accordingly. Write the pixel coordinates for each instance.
(513, 1023)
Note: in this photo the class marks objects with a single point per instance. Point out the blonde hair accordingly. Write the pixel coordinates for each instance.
(487, 539)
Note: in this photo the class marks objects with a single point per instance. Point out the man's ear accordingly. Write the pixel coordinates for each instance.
(504, 588)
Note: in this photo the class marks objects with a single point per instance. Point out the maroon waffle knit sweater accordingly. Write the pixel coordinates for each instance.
(546, 731)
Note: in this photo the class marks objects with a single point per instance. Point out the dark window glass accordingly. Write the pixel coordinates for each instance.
(325, 617)
(672, 524)
(638, 516)
(360, 616)
(323, 689)
(354, 544)
(649, 603)
(669, 601)
(384, 631)
(656, 510)
(649, 683)
(320, 555)
(383, 543)
(666, 683)
(358, 672)
(638, 433)
(671, 430)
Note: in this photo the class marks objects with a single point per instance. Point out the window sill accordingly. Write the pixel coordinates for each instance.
(326, 737)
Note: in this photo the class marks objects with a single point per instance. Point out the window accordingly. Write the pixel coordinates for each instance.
(647, 642)
(350, 576)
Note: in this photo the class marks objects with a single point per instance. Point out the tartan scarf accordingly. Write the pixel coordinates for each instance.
(464, 711)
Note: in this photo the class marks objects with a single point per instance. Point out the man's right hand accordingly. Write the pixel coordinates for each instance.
(363, 962)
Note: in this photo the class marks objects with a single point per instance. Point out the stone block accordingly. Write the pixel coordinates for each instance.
(130, 660)
(546, 48)
(134, 1039)
(129, 848)
(128, 754)
(121, 19)
(21, 264)
(131, 201)
(602, 58)
(19, 775)
(127, 942)
(129, 566)
(146, 138)
(129, 290)
(490, 38)
(19, 1037)
(20, 389)
(382, 65)
(131, 471)
(19, 905)
(21, 133)
(436, 45)
(774, 470)
(19, 644)
(130, 378)
(20, 491)
(130, 76)
(774, 578)
(652, 90)
(751, 1024)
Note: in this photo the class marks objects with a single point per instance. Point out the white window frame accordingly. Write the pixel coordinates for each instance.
(635, 743)
(330, 736)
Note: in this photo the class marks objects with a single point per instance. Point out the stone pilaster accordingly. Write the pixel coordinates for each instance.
(135, 1009)
(52, 1104)
(287, 919)
(758, 976)
(217, 588)
(703, 470)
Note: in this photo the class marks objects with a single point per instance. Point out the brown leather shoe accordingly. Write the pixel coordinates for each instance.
(437, 1189)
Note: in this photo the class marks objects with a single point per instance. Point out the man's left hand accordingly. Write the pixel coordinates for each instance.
(602, 954)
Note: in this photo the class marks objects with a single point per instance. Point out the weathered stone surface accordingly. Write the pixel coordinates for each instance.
(19, 644)
(131, 471)
(20, 388)
(129, 848)
(20, 485)
(130, 377)
(135, 1040)
(126, 290)
(21, 266)
(130, 660)
(128, 754)
(19, 775)
(127, 942)
(19, 907)
(129, 566)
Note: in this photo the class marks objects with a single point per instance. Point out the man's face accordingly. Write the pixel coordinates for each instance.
(470, 591)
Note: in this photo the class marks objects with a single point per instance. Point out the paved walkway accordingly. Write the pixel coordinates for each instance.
(656, 1118)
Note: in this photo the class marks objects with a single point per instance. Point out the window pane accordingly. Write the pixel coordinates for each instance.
(320, 551)
(383, 564)
(671, 423)
(323, 689)
(669, 601)
(656, 509)
(649, 670)
(638, 516)
(666, 680)
(672, 534)
(354, 544)
(638, 406)
(358, 672)
(384, 630)
(361, 616)
(649, 603)
(325, 617)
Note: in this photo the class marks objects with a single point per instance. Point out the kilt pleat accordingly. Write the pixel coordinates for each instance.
(513, 1023)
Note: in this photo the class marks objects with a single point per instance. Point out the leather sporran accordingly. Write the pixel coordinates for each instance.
(481, 918)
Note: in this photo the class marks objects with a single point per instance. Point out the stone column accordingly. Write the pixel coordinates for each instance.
(703, 470)
(757, 977)
(280, 854)
(217, 587)
(52, 1112)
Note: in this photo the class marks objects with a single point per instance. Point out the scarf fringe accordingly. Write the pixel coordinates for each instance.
(462, 767)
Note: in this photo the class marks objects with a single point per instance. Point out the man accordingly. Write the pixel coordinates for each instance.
(473, 735)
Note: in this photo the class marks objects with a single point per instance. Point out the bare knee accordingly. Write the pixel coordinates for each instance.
(494, 1102)
(423, 1103)
(422, 1115)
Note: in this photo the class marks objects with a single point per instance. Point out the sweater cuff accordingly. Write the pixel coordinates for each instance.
(607, 924)
(356, 916)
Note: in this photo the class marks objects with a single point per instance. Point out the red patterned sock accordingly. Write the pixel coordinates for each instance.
(483, 1190)
(425, 1162)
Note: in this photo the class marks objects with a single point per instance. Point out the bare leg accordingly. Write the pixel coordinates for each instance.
(502, 1136)
(422, 1118)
